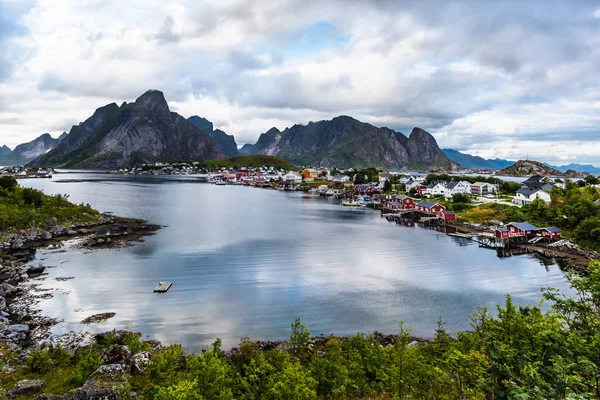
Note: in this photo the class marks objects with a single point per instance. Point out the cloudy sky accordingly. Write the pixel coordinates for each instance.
(503, 79)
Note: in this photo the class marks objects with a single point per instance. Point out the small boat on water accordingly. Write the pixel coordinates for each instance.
(353, 203)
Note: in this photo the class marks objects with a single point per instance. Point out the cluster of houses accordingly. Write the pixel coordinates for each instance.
(526, 231)
(405, 204)
(536, 187)
(22, 172)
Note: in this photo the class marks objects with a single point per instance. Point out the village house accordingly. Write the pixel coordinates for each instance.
(398, 202)
(453, 188)
(447, 216)
(293, 177)
(429, 207)
(526, 196)
(309, 174)
(341, 178)
(483, 188)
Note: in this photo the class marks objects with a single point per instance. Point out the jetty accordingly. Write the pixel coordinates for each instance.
(163, 287)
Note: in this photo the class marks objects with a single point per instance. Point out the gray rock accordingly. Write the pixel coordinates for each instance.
(2, 304)
(100, 241)
(71, 232)
(27, 387)
(116, 354)
(17, 243)
(47, 235)
(140, 362)
(18, 328)
(36, 269)
(414, 343)
(102, 384)
(7, 290)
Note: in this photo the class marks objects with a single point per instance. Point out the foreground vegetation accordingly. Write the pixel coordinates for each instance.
(24, 208)
(534, 352)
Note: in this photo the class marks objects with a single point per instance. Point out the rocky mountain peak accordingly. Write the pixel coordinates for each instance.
(202, 123)
(153, 101)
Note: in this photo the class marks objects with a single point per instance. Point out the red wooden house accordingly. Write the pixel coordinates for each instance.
(521, 229)
(550, 233)
(429, 207)
(447, 216)
(398, 203)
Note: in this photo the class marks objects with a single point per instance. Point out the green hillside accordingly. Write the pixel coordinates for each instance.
(254, 160)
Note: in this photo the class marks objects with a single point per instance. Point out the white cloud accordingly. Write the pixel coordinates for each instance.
(470, 73)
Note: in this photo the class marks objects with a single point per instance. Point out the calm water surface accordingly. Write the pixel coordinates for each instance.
(245, 262)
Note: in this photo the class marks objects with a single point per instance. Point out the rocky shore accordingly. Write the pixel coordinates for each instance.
(21, 326)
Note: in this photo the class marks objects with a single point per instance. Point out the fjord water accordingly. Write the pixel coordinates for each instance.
(245, 262)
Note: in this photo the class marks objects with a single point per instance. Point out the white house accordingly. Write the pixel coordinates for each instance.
(341, 178)
(483, 188)
(293, 177)
(453, 188)
(526, 196)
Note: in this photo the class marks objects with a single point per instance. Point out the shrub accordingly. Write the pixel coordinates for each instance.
(8, 182)
(39, 361)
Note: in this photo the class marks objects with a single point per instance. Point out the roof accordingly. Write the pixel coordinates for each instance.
(597, 202)
(502, 229)
(286, 182)
(480, 184)
(340, 176)
(552, 229)
(426, 204)
(534, 178)
(528, 192)
(446, 212)
(451, 185)
(524, 226)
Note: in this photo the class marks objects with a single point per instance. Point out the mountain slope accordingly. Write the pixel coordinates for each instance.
(134, 133)
(225, 142)
(578, 168)
(530, 167)
(345, 142)
(26, 152)
(474, 162)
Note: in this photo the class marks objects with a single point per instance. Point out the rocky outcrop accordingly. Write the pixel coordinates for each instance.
(140, 362)
(131, 134)
(225, 142)
(346, 142)
(530, 167)
(26, 152)
(103, 384)
(26, 387)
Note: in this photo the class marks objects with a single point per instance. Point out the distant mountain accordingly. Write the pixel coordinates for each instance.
(578, 168)
(225, 142)
(4, 151)
(474, 162)
(246, 149)
(345, 142)
(134, 133)
(26, 152)
(530, 167)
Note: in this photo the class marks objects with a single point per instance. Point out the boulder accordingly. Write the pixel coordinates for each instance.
(140, 362)
(103, 384)
(71, 232)
(26, 387)
(116, 354)
(47, 235)
(35, 270)
(17, 243)
(7, 290)
(2, 304)
(18, 328)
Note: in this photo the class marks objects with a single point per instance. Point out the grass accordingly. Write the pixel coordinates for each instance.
(483, 214)
(25, 208)
(254, 160)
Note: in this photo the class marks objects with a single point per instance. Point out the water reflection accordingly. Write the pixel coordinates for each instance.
(246, 261)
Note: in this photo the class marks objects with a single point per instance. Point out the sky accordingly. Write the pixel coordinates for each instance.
(508, 79)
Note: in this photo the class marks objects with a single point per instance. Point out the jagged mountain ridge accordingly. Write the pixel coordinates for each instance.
(225, 142)
(26, 152)
(345, 142)
(131, 134)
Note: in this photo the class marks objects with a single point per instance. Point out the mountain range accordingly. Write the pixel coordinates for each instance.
(530, 167)
(474, 162)
(131, 134)
(26, 152)
(345, 142)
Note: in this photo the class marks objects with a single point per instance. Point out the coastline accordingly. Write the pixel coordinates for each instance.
(21, 325)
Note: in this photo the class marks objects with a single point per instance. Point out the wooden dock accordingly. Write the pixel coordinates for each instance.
(163, 287)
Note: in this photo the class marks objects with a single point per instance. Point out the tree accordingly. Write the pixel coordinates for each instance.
(460, 198)
(8, 182)
(387, 186)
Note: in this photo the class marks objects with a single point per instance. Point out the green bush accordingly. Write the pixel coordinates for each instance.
(39, 361)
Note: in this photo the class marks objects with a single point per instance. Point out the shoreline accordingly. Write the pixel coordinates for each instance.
(21, 324)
